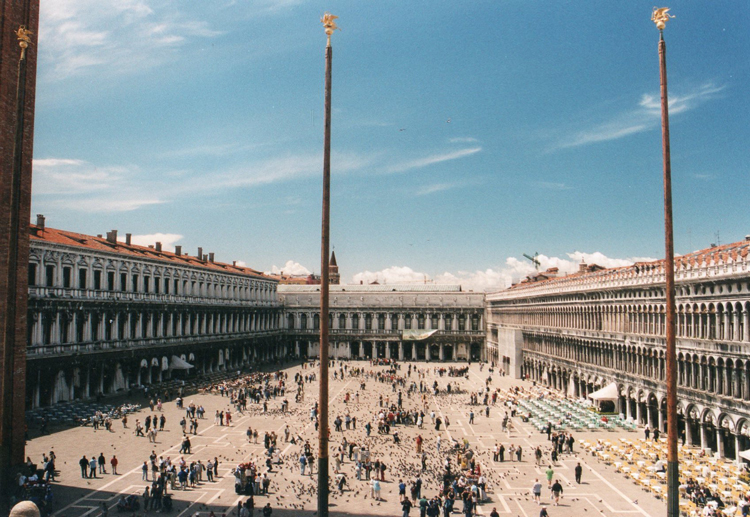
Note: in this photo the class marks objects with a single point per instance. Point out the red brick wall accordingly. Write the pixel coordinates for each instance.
(14, 13)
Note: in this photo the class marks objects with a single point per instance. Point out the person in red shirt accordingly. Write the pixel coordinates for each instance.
(114, 462)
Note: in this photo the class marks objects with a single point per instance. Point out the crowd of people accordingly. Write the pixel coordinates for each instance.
(398, 435)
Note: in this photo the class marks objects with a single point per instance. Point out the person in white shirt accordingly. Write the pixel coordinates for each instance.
(536, 491)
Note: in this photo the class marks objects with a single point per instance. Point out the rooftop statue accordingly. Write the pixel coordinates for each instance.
(660, 17)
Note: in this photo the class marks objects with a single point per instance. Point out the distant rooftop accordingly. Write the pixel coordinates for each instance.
(722, 256)
(377, 288)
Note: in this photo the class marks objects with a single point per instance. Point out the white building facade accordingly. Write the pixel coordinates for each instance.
(105, 315)
(584, 331)
(420, 322)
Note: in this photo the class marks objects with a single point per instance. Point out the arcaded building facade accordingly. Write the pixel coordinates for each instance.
(405, 322)
(581, 332)
(106, 315)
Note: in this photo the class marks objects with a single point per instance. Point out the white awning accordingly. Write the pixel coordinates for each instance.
(416, 335)
(745, 454)
(608, 392)
(177, 363)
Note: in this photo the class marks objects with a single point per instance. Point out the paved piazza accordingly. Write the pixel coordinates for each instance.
(602, 491)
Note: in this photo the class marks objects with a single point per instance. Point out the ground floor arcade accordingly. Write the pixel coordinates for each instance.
(82, 376)
(711, 423)
(397, 350)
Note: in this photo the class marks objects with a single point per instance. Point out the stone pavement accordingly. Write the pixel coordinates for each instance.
(602, 492)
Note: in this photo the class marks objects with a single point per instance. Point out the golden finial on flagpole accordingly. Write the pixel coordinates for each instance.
(24, 38)
(660, 17)
(329, 24)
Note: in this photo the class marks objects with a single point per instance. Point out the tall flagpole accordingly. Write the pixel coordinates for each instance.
(660, 17)
(330, 26)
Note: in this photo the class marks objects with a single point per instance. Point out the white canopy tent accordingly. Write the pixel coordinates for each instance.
(178, 363)
(607, 393)
(745, 454)
(571, 387)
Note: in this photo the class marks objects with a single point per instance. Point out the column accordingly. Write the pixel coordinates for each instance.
(387, 351)
(87, 391)
(442, 352)
(720, 441)
(361, 350)
(638, 411)
(400, 350)
(736, 325)
(703, 435)
(727, 336)
(441, 322)
(38, 334)
(728, 381)
(388, 322)
(414, 351)
(37, 390)
(739, 391)
(661, 418)
(688, 431)
(737, 458)
(427, 352)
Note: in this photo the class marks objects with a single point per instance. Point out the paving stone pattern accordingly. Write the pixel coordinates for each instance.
(602, 491)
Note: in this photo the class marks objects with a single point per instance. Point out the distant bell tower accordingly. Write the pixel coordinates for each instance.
(333, 270)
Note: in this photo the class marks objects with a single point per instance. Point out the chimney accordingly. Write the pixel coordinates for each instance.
(234, 263)
(747, 238)
(112, 236)
(127, 238)
(210, 257)
(158, 246)
(40, 221)
(178, 250)
(151, 246)
(98, 235)
(582, 267)
(200, 253)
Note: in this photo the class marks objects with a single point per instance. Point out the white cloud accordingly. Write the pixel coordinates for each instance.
(549, 185)
(517, 269)
(643, 117)
(112, 36)
(432, 159)
(273, 170)
(81, 186)
(435, 187)
(78, 185)
(463, 140)
(487, 280)
(167, 240)
(391, 275)
(290, 268)
(491, 279)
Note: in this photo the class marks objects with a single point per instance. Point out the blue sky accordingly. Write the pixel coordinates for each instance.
(464, 133)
